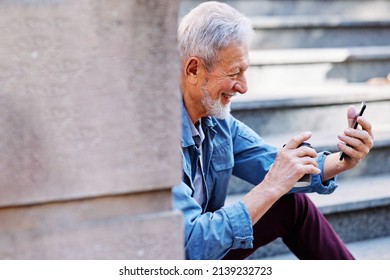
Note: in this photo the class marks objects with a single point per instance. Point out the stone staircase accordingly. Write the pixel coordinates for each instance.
(310, 59)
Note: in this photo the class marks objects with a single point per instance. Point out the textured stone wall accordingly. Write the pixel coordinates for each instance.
(89, 129)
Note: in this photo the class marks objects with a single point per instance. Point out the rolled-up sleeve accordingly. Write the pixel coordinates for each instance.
(211, 235)
(241, 225)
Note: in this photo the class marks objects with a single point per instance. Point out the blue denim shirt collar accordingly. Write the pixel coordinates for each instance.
(186, 135)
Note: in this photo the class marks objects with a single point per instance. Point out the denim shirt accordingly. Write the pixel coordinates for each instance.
(231, 148)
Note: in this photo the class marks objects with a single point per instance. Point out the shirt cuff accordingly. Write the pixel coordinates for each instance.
(241, 224)
(317, 185)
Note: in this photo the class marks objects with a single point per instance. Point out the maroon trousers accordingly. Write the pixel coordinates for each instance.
(302, 227)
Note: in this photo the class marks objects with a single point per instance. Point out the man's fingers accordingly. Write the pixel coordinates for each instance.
(366, 125)
(355, 137)
(306, 151)
(298, 139)
(310, 169)
(351, 115)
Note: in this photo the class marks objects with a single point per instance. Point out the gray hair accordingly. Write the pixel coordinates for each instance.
(209, 28)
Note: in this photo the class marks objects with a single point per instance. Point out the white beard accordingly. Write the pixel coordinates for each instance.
(215, 108)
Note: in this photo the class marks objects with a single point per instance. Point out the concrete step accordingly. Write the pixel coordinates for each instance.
(313, 109)
(282, 95)
(303, 7)
(317, 66)
(318, 55)
(358, 210)
(309, 24)
(316, 31)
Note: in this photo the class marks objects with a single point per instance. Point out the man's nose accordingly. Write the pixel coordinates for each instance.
(241, 85)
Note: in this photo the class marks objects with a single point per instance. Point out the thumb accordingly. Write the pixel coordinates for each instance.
(351, 115)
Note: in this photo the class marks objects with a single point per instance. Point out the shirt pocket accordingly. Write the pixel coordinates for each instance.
(222, 157)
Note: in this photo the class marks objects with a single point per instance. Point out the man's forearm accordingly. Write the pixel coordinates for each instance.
(333, 166)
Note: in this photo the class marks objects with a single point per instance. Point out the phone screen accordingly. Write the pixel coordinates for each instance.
(355, 124)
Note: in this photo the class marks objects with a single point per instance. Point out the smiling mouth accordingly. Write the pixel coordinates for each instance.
(228, 96)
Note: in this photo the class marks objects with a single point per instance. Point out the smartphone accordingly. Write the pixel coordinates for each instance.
(355, 124)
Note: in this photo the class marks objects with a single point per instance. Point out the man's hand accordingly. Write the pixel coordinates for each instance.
(292, 163)
(355, 143)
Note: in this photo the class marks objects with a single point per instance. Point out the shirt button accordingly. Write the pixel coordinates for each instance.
(243, 242)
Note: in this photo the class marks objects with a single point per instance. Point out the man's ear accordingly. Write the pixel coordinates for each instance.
(192, 69)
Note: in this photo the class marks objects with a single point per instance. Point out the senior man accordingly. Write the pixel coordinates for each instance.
(213, 41)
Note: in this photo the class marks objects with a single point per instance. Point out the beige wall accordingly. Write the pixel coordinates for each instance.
(89, 126)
